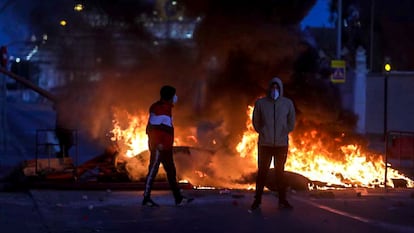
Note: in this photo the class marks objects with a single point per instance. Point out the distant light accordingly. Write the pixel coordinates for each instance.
(63, 23)
(33, 52)
(174, 3)
(33, 38)
(387, 64)
(78, 7)
(387, 67)
(44, 37)
(17, 59)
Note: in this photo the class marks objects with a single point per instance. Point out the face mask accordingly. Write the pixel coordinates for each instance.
(175, 99)
(274, 94)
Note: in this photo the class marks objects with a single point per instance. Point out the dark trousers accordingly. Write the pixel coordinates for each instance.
(265, 155)
(166, 158)
(66, 141)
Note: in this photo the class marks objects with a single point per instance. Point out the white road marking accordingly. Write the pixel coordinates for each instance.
(388, 226)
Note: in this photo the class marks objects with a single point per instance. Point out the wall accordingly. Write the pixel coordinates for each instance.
(400, 107)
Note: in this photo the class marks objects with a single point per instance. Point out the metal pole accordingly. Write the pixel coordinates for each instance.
(386, 163)
(385, 126)
(371, 44)
(339, 32)
(385, 104)
(29, 84)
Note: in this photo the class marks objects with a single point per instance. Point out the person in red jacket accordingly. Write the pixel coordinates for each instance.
(160, 133)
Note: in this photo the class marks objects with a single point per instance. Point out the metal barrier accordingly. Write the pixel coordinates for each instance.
(399, 150)
(47, 144)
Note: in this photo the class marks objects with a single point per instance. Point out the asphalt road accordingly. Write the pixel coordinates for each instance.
(212, 211)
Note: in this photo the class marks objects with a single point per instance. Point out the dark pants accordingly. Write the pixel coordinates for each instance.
(66, 141)
(265, 155)
(166, 158)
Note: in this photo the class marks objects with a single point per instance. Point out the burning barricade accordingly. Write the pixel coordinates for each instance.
(316, 160)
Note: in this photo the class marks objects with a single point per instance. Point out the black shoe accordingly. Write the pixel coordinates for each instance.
(149, 202)
(285, 205)
(255, 206)
(183, 201)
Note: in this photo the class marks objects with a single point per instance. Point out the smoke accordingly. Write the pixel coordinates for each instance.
(238, 47)
(202, 167)
(218, 169)
(217, 78)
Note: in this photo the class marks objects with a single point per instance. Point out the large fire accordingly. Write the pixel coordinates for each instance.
(331, 163)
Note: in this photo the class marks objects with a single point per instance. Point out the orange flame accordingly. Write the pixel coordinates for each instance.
(248, 144)
(344, 165)
(131, 137)
(349, 166)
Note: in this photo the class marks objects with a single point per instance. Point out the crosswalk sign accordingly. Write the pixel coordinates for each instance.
(338, 71)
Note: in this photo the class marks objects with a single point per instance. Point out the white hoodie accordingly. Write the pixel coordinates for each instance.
(274, 119)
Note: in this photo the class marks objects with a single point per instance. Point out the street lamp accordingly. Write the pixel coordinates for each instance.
(387, 70)
(387, 65)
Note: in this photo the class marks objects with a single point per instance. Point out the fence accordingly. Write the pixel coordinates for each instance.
(46, 146)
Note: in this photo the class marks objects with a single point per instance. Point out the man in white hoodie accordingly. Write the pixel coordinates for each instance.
(273, 119)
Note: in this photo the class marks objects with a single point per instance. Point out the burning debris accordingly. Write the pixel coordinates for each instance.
(316, 159)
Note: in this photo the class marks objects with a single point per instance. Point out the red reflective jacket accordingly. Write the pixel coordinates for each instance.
(160, 129)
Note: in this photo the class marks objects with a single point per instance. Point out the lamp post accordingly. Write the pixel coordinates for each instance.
(387, 70)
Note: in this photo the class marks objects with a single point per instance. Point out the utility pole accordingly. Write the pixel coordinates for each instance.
(339, 32)
(371, 37)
